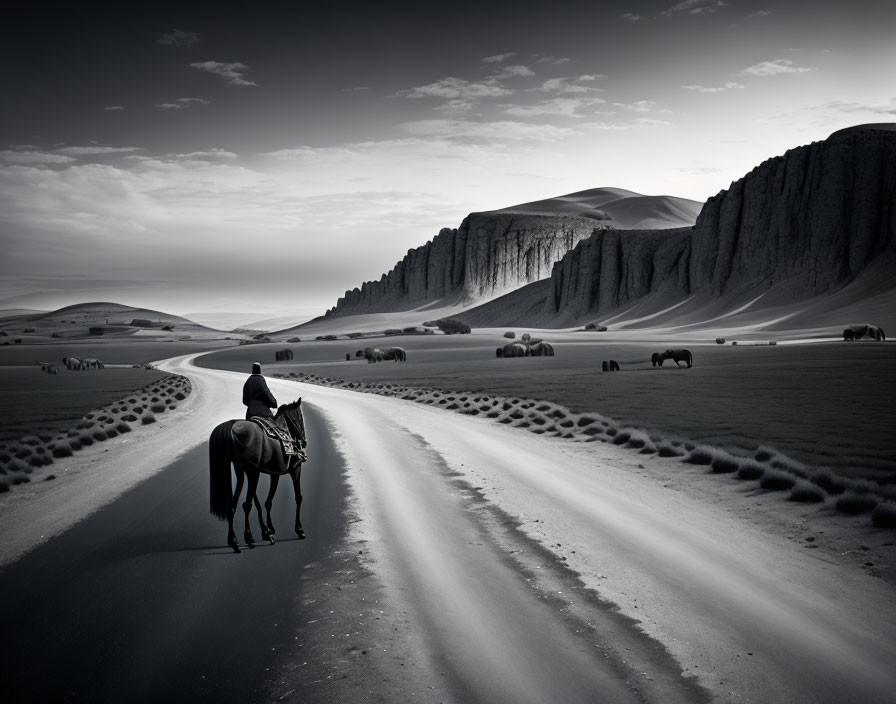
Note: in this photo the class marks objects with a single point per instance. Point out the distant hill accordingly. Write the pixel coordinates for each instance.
(112, 318)
(617, 208)
(498, 251)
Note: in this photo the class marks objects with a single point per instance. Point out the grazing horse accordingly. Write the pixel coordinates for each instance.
(397, 354)
(91, 363)
(513, 349)
(611, 366)
(72, 363)
(857, 332)
(245, 445)
(373, 354)
(540, 349)
(675, 355)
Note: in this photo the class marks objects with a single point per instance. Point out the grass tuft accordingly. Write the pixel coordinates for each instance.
(62, 450)
(884, 515)
(853, 504)
(725, 464)
(668, 449)
(828, 481)
(700, 456)
(750, 470)
(150, 418)
(776, 480)
(806, 493)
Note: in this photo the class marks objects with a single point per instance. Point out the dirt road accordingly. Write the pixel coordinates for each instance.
(481, 563)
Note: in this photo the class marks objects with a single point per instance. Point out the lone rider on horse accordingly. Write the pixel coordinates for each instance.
(257, 396)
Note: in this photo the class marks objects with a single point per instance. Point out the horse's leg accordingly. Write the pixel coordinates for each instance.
(251, 487)
(268, 503)
(265, 532)
(296, 475)
(239, 488)
(231, 534)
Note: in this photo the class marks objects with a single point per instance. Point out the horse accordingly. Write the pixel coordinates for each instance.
(90, 363)
(857, 332)
(675, 355)
(373, 354)
(72, 363)
(397, 354)
(611, 366)
(540, 349)
(513, 349)
(246, 446)
(283, 355)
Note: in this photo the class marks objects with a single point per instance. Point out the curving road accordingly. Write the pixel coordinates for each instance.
(464, 565)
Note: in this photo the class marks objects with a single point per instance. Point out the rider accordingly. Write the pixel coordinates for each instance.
(257, 396)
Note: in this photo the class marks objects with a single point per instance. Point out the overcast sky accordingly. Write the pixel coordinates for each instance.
(188, 159)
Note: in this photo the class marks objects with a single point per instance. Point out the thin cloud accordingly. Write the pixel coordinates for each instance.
(514, 72)
(33, 158)
(290, 154)
(233, 72)
(694, 7)
(492, 131)
(452, 88)
(456, 105)
(113, 107)
(553, 60)
(355, 89)
(179, 37)
(834, 111)
(183, 103)
(639, 124)
(761, 13)
(210, 154)
(774, 68)
(638, 106)
(498, 58)
(565, 107)
(96, 150)
(731, 85)
(574, 85)
(631, 17)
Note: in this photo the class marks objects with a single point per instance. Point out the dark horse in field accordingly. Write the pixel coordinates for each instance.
(245, 445)
(675, 355)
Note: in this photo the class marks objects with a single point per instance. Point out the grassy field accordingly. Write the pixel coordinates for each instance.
(133, 350)
(827, 404)
(33, 399)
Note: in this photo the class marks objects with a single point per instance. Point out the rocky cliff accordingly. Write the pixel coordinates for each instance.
(492, 253)
(806, 223)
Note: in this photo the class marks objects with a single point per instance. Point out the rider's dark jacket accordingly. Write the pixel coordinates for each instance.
(258, 397)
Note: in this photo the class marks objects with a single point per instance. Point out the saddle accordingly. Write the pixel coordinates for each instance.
(288, 446)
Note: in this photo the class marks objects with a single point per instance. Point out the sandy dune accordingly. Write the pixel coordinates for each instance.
(618, 207)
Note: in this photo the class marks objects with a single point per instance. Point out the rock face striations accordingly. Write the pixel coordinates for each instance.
(799, 225)
(813, 221)
(495, 252)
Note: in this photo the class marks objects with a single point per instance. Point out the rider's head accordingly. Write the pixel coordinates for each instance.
(256, 367)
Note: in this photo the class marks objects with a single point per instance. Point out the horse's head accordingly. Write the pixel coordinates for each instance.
(292, 414)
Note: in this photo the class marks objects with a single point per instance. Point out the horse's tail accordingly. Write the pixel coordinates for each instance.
(690, 359)
(220, 443)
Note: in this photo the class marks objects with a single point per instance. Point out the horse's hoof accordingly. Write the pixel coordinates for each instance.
(235, 546)
(250, 541)
(300, 533)
(271, 539)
